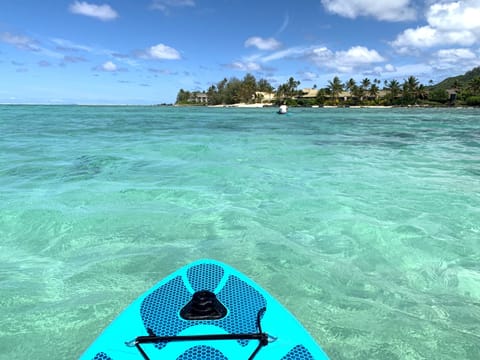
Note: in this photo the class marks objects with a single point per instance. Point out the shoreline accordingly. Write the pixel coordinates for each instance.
(252, 106)
(241, 105)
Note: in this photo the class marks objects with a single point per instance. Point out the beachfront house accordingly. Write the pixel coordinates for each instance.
(308, 93)
(199, 98)
(342, 97)
(452, 95)
(264, 97)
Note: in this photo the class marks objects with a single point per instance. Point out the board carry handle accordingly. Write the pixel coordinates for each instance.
(263, 338)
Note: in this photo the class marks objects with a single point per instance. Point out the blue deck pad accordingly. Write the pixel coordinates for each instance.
(299, 352)
(160, 309)
(202, 353)
(205, 277)
(102, 356)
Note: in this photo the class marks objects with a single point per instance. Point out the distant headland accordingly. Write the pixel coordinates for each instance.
(463, 90)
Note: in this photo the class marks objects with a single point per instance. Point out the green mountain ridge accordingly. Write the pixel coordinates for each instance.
(459, 81)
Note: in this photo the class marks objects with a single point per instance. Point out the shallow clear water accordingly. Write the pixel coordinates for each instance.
(364, 223)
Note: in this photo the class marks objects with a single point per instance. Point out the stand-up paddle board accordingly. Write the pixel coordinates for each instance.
(205, 310)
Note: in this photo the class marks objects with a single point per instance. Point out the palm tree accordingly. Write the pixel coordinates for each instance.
(282, 92)
(393, 88)
(422, 92)
(410, 89)
(335, 86)
(350, 85)
(373, 91)
(366, 83)
(358, 92)
(364, 86)
(320, 98)
(288, 90)
(292, 86)
(412, 82)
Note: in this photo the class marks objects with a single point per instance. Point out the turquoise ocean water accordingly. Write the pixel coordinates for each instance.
(364, 223)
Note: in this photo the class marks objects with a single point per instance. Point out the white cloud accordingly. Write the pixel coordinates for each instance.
(359, 55)
(163, 52)
(262, 44)
(454, 55)
(353, 59)
(19, 41)
(321, 55)
(388, 10)
(424, 36)
(381, 71)
(449, 23)
(67, 45)
(427, 37)
(308, 76)
(389, 68)
(109, 66)
(248, 66)
(102, 12)
(403, 71)
(25, 43)
(73, 59)
(164, 5)
(290, 53)
(455, 58)
(455, 16)
(286, 21)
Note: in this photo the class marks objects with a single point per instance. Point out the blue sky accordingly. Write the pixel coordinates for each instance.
(144, 51)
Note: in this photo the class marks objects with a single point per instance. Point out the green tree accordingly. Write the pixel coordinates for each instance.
(264, 86)
(350, 85)
(352, 88)
(183, 97)
(438, 95)
(213, 95)
(232, 91)
(335, 87)
(393, 88)
(474, 86)
(282, 91)
(422, 92)
(222, 84)
(247, 89)
(373, 91)
(221, 91)
(288, 90)
(410, 90)
(358, 93)
(456, 85)
(292, 86)
(320, 98)
(366, 83)
(473, 101)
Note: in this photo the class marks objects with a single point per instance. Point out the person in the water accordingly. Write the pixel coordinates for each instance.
(283, 109)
